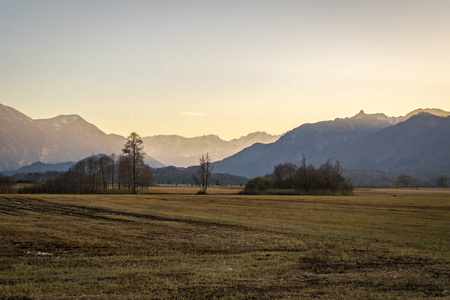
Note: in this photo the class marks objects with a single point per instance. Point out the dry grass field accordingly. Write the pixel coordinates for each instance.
(378, 244)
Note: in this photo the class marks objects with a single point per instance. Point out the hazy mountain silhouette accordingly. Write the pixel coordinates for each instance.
(413, 142)
(364, 141)
(74, 137)
(40, 167)
(60, 139)
(183, 152)
(24, 141)
(420, 143)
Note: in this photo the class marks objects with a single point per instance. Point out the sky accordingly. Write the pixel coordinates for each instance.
(229, 68)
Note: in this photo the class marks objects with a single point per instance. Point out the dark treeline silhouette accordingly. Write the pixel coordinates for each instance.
(33, 177)
(289, 178)
(6, 184)
(174, 175)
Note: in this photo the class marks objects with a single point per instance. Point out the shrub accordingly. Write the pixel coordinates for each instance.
(257, 186)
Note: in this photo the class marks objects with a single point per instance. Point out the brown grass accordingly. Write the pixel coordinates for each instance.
(191, 189)
(379, 244)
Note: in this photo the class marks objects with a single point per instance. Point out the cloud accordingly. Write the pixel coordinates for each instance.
(191, 114)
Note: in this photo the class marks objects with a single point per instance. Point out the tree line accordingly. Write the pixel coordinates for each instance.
(6, 184)
(97, 173)
(405, 180)
(327, 179)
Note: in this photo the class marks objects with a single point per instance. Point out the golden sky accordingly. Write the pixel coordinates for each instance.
(222, 67)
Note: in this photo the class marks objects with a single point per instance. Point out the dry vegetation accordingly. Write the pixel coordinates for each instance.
(379, 244)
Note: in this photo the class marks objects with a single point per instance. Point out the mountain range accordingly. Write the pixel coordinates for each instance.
(383, 146)
(179, 151)
(66, 138)
(419, 141)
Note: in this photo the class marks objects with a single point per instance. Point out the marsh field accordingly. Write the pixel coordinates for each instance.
(378, 244)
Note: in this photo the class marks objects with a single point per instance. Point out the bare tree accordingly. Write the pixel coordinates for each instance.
(124, 172)
(404, 180)
(302, 178)
(202, 175)
(284, 176)
(134, 150)
(144, 176)
(92, 167)
(103, 170)
(441, 181)
(112, 165)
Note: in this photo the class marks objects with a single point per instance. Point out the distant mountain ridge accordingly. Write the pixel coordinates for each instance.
(184, 152)
(361, 141)
(40, 167)
(422, 142)
(350, 141)
(64, 138)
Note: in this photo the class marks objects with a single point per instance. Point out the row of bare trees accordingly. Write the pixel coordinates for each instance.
(96, 174)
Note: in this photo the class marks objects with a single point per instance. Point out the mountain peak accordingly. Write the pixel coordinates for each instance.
(362, 115)
(8, 114)
(424, 115)
(61, 121)
(380, 116)
(433, 111)
(67, 119)
(377, 116)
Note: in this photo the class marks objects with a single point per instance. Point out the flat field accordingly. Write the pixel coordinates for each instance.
(378, 244)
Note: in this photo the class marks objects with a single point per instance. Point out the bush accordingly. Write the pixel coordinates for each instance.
(257, 186)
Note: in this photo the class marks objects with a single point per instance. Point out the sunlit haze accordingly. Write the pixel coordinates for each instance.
(222, 67)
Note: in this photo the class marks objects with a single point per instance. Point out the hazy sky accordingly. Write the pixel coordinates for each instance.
(224, 67)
